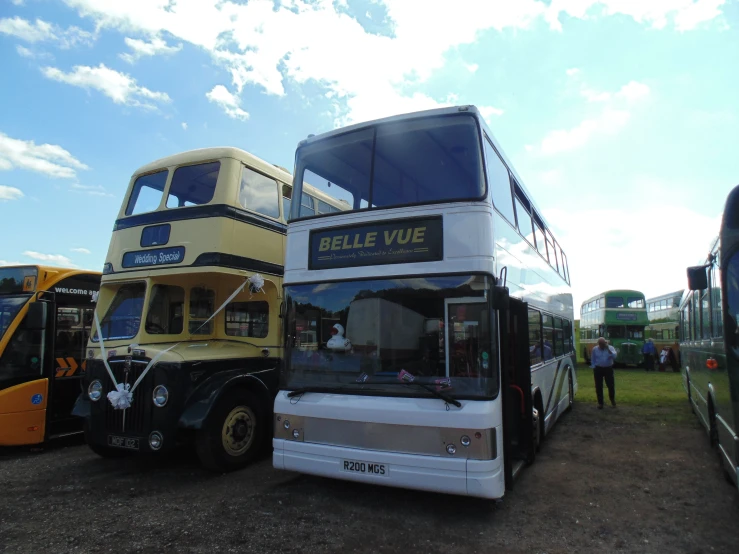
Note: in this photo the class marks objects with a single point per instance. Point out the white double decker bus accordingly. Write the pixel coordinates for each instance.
(429, 338)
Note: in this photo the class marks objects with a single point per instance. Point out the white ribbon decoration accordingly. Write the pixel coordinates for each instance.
(122, 397)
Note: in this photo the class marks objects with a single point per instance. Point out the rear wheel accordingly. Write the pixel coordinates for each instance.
(234, 433)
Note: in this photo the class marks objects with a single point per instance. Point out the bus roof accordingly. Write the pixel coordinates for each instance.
(469, 108)
(205, 154)
(615, 292)
(677, 293)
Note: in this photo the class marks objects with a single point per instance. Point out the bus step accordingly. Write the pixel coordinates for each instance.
(518, 466)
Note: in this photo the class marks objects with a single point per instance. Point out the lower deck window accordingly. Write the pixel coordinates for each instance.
(247, 319)
(202, 306)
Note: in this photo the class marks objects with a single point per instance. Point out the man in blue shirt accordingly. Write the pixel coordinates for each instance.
(649, 352)
(601, 360)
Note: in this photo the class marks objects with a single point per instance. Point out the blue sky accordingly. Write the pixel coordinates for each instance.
(620, 116)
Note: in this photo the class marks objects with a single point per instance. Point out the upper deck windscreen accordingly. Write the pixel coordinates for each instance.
(417, 161)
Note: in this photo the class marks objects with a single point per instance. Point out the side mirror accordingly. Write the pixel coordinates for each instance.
(501, 297)
(697, 278)
(37, 316)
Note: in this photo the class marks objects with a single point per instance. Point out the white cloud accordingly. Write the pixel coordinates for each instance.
(42, 31)
(50, 159)
(572, 71)
(81, 250)
(184, 125)
(488, 112)
(613, 117)
(91, 190)
(6, 263)
(633, 90)
(18, 2)
(230, 103)
(471, 67)
(619, 236)
(24, 52)
(10, 193)
(366, 75)
(686, 14)
(119, 87)
(562, 140)
(142, 48)
(54, 259)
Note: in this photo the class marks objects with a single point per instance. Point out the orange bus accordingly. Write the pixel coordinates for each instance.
(45, 319)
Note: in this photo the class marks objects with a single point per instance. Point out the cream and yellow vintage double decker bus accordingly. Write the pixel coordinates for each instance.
(187, 334)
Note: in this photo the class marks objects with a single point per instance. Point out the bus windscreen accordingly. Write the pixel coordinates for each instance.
(9, 308)
(17, 280)
(417, 161)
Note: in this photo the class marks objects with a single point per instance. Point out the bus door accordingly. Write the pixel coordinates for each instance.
(518, 447)
(72, 323)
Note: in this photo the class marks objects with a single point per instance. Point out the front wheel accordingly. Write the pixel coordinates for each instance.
(234, 433)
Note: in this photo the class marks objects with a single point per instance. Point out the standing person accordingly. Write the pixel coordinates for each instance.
(649, 352)
(601, 360)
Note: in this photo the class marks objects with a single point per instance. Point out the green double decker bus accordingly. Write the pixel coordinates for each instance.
(619, 316)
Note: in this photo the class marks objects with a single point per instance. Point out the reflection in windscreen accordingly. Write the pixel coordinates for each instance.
(411, 162)
(344, 334)
(9, 307)
(124, 315)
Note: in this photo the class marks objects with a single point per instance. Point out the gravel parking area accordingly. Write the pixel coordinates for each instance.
(605, 481)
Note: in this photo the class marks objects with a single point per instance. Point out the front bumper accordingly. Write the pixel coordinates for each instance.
(479, 478)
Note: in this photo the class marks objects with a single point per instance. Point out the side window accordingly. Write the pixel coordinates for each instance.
(535, 352)
(695, 314)
(306, 205)
(247, 319)
(718, 321)
(559, 340)
(550, 249)
(23, 355)
(147, 192)
(548, 328)
(193, 185)
(706, 314)
(567, 329)
(524, 222)
(323, 208)
(166, 310)
(202, 306)
(499, 182)
(287, 194)
(259, 193)
(541, 244)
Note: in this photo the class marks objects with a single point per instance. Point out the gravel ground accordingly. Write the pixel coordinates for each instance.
(605, 481)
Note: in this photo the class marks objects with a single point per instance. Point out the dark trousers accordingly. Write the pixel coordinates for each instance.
(649, 362)
(606, 373)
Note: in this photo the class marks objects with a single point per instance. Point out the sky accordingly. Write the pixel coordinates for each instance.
(619, 115)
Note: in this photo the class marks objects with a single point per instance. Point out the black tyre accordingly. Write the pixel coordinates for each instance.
(108, 451)
(571, 393)
(235, 433)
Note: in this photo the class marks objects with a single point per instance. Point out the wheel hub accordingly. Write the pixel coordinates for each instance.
(238, 431)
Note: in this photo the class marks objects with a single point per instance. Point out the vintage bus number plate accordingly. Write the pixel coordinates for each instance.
(123, 442)
(370, 468)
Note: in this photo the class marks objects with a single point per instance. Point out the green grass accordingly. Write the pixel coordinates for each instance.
(656, 396)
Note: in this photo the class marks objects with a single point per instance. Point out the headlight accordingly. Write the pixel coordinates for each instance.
(95, 390)
(160, 396)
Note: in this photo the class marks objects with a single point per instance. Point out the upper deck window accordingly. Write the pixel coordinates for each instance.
(417, 161)
(614, 302)
(635, 302)
(147, 193)
(193, 185)
(259, 193)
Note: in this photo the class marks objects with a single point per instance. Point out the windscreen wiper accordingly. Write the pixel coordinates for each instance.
(405, 378)
(302, 390)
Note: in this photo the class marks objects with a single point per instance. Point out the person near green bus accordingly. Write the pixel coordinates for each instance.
(601, 360)
(649, 351)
